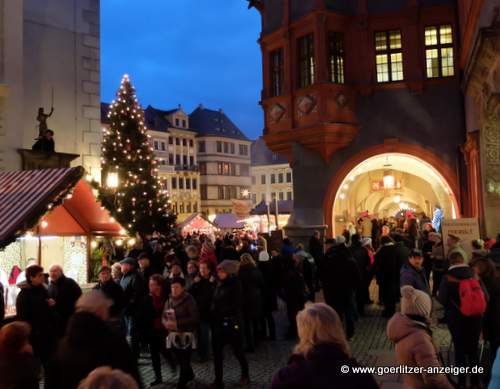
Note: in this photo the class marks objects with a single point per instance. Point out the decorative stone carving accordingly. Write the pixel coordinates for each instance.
(341, 100)
(276, 112)
(305, 104)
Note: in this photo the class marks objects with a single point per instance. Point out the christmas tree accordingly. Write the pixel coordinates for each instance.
(132, 191)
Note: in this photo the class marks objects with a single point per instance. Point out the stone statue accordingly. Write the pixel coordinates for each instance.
(45, 140)
(42, 119)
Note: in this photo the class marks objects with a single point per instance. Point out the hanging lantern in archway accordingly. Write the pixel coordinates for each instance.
(389, 180)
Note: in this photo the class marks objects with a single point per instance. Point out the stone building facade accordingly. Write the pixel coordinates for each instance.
(49, 55)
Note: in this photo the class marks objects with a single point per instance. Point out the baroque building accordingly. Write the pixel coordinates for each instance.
(49, 57)
(365, 99)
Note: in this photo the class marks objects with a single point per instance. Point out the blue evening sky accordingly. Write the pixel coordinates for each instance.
(185, 52)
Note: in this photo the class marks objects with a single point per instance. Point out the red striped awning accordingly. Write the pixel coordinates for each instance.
(25, 197)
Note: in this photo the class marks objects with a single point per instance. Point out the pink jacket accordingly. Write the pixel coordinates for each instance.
(414, 347)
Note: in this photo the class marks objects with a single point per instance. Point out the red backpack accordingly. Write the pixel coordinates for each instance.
(472, 298)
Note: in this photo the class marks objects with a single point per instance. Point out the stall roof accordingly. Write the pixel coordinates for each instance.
(285, 207)
(196, 221)
(228, 220)
(25, 197)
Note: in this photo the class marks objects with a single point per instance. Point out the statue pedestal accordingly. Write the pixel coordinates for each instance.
(302, 233)
(34, 160)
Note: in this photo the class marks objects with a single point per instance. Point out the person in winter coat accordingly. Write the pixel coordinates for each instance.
(439, 262)
(19, 369)
(413, 273)
(320, 354)
(270, 273)
(465, 330)
(495, 373)
(89, 343)
(340, 279)
(134, 291)
(145, 269)
(64, 291)
(154, 331)
(293, 292)
(202, 290)
(181, 319)
(490, 276)
(387, 269)
(227, 317)
(252, 285)
(208, 253)
(362, 258)
(112, 290)
(191, 274)
(34, 306)
(411, 333)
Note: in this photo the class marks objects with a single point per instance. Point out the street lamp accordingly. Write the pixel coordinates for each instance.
(112, 180)
(245, 193)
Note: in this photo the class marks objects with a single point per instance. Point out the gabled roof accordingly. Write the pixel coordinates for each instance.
(285, 207)
(156, 119)
(208, 122)
(260, 154)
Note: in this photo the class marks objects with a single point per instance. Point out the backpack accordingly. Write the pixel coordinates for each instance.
(472, 298)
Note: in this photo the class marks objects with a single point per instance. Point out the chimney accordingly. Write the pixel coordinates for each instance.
(200, 106)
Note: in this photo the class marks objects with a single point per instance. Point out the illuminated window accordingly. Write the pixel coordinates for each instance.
(305, 51)
(389, 56)
(336, 57)
(277, 77)
(439, 51)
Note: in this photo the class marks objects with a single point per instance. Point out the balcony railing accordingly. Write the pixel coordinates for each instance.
(186, 168)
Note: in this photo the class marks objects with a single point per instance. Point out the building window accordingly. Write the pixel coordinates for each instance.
(177, 141)
(203, 168)
(288, 195)
(306, 60)
(191, 160)
(170, 159)
(280, 178)
(273, 196)
(289, 177)
(254, 198)
(281, 195)
(177, 159)
(188, 183)
(201, 146)
(176, 122)
(162, 146)
(336, 57)
(155, 145)
(439, 51)
(244, 170)
(220, 192)
(191, 143)
(184, 124)
(226, 147)
(184, 141)
(188, 208)
(203, 192)
(263, 179)
(273, 178)
(195, 183)
(219, 146)
(243, 149)
(184, 160)
(263, 197)
(170, 140)
(195, 207)
(181, 208)
(389, 56)
(174, 182)
(277, 73)
(181, 183)
(232, 148)
(254, 180)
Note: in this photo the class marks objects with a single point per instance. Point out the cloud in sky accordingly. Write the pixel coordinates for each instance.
(185, 52)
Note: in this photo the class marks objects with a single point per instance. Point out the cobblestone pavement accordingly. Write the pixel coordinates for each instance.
(370, 347)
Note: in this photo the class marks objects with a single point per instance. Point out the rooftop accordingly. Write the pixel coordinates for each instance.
(208, 122)
(260, 154)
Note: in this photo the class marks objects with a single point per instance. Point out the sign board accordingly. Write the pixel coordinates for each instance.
(466, 229)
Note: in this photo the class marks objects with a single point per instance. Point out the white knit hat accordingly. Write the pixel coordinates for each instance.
(415, 302)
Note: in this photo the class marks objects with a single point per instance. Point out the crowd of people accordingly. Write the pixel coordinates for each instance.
(185, 298)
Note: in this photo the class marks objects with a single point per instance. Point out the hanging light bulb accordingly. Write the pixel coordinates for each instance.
(389, 180)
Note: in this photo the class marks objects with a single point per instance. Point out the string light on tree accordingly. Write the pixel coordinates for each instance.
(134, 199)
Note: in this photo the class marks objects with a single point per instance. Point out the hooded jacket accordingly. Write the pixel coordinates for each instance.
(414, 277)
(414, 347)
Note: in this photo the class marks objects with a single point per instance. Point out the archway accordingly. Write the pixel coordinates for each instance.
(386, 179)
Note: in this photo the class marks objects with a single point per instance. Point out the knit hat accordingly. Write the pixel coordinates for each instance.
(129, 261)
(229, 266)
(415, 302)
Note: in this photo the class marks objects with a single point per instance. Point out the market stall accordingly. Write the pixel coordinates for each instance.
(197, 223)
(272, 216)
(49, 216)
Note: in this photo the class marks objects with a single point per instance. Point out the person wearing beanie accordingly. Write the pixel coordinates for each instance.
(227, 320)
(409, 330)
(413, 272)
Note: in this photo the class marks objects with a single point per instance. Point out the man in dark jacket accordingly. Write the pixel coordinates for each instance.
(387, 269)
(227, 320)
(134, 291)
(360, 255)
(340, 278)
(64, 291)
(465, 330)
(88, 344)
(112, 290)
(34, 307)
(413, 273)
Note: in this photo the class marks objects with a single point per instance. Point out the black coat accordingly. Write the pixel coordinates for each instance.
(340, 274)
(148, 317)
(19, 371)
(253, 285)
(203, 293)
(388, 264)
(228, 300)
(229, 252)
(65, 291)
(491, 319)
(134, 290)
(115, 293)
(270, 275)
(316, 249)
(293, 286)
(89, 343)
(360, 255)
(321, 369)
(33, 308)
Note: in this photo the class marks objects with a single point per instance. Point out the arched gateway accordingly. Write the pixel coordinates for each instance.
(387, 178)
